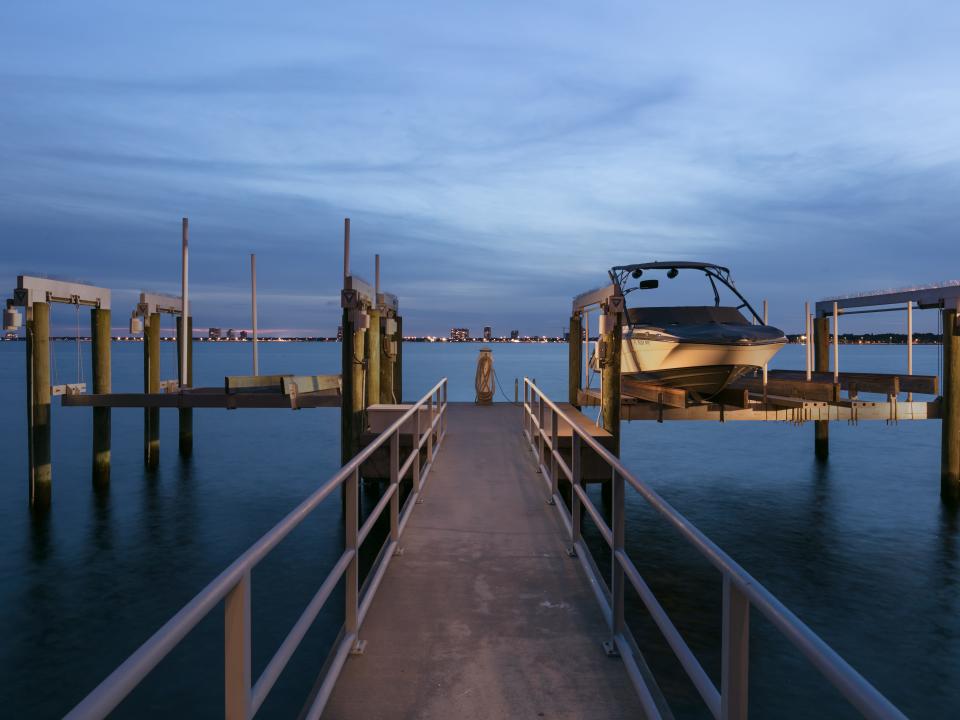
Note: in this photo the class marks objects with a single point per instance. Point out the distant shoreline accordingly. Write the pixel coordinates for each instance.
(885, 339)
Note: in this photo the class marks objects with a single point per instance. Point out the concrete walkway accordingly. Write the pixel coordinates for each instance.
(484, 615)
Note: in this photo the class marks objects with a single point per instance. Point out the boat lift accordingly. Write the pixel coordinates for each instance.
(817, 393)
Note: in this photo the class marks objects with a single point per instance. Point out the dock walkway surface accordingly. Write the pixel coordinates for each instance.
(484, 615)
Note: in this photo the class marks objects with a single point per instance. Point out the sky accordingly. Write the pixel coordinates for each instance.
(500, 156)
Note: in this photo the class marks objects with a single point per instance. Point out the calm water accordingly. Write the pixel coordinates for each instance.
(860, 547)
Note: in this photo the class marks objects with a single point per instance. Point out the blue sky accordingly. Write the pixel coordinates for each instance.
(499, 156)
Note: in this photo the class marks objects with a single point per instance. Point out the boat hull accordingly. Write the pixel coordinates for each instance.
(704, 368)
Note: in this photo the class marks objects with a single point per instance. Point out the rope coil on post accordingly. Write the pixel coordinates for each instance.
(484, 383)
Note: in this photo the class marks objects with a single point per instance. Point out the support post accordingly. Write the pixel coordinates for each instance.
(236, 650)
(186, 414)
(836, 343)
(909, 342)
(765, 365)
(151, 384)
(387, 360)
(253, 311)
(371, 351)
(617, 585)
(38, 370)
(100, 332)
(398, 363)
(821, 363)
(735, 661)
(950, 408)
(575, 359)
(610, 383)
(352, 389)
(808, 339)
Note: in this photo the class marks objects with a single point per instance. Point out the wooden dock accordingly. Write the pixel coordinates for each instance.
(484, 614)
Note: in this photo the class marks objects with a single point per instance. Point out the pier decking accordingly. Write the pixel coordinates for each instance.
(484, 614)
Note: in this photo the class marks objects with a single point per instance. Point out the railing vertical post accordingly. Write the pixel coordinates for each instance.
(554, 469)
(617, 578)
(236, 650)
(526, 406)
(395, 482)
(430, 430)
(416, 452)
(540, 427)
(351, 520)
(576, 511)
(443, 422)
(736, 653)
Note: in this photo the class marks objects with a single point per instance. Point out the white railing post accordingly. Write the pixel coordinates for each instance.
(395, 482)
(539, 430)
(351, 542)
(617, 579)
(735, 663)
(416, 452)
(526, 404)
(576, 512)
(554, 481)
(236, 650)
(443, 422)
(430, 430)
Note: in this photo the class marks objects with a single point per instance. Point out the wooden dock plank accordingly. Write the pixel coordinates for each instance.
(484, 615)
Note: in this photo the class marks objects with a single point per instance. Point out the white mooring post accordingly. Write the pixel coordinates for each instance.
(765, 365)
(836, 344)
(253, 310)
(909, 342)
(184, 300)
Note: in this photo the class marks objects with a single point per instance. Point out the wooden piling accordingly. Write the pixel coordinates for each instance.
(575, 359)
(371, 351)
(610, 380)
(186, 414)
(398, 363)
(950, 410)
(151, 384)
(387, 360)
(821, 363)
(353, 388)
(100, 332)
(38, 410)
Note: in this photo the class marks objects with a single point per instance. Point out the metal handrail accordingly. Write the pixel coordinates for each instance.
(740, 589)
(243, 698)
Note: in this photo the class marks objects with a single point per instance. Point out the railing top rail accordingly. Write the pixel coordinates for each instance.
(118, 684)
(852, 685)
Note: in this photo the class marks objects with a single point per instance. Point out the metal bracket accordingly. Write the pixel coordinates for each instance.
(419, 501)
(551, 501)
(571, 551)
(359, 647)
(610, 648)
(398, 552)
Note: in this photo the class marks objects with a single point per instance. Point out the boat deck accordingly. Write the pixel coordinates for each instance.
(484, 615)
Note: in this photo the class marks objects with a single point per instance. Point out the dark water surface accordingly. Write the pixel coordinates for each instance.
(859, 547)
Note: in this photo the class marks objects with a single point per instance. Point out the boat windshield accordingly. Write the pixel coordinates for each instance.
(685, 315)
(683, 289)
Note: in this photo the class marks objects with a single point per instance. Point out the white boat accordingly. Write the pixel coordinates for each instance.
(700, 348)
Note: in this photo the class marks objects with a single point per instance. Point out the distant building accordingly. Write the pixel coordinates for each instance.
(213, 333)
(488, 333)
(231, 334)
(459, 334)
(514, 334)
(243, 334)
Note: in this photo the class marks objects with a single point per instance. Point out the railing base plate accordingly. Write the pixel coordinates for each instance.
(610, 648)
(571, 551)
(359, 647)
